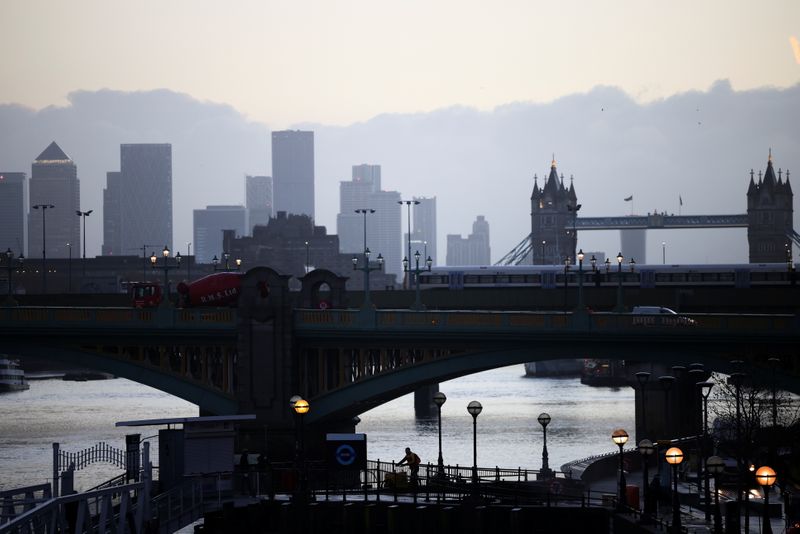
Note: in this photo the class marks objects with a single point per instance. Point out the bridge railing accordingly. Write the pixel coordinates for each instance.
(121, 318)
(13, 502)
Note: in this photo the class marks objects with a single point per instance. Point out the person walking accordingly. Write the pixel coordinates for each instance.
(412, 460)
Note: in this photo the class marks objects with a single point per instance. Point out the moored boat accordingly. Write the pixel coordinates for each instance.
(12, 377)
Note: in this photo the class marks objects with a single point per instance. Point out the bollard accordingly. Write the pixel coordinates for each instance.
(479, 514)
(370, 519)
(350, 514)
(515, 521)
(313, 517)
(447, 520)
(286, 518)
(393, 519)
(420, 519)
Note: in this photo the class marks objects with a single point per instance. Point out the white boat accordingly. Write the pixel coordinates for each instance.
(12, 377)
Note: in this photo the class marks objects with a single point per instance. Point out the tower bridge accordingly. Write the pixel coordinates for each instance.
(555, 222)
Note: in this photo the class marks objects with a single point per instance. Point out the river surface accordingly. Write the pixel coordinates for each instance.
(80, 414)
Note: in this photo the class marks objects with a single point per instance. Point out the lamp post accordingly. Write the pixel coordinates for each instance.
(545, 473)
(715, 466)
(307, 262)
(646, 450)
(620, 437)
(44, 208)
(301, 408)
(366, 269)
(10, 267)
(641, 378)
(574, 209)
(774, 363)
(580, 280)
(705, 391)
(84, 214)
(737, 379)
(408, 203)
(189, 261)
(416, 271)
(663, 253)
(619, 308)
(166, 267)
(227, 268)
(544, 243)
(666, 382)
(765, 476)
(567, 261)
(474, 408)
(69, 268)
(439, 399)
(595, 271)
(674, 457)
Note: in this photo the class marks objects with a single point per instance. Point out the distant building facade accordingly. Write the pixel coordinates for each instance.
(54, 181)
(383, 227)
(141, 194)
(208, 225)
(293, 172)
(292, 243)
(13, 212)
(769, 216)
(554, 210)
(423, 228)
(258, 200)
(474, 250)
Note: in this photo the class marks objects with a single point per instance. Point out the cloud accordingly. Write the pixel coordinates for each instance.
(796, 48)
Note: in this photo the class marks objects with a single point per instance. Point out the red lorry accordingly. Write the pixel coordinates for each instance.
(218, 289)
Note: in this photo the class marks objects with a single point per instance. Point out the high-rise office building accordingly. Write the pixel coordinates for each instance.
(423, 228)
(383, 227)
(13, 212)
(112, 216)
(293, 172)
(258, 200)
(54, 181)
(474, 250)
(208, 226)
(142, 194)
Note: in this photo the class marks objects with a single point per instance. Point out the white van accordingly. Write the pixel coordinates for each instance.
(659, 316)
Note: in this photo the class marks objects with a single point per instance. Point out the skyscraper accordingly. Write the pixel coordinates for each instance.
(142, 192)
(208, 226)
(112, 216)
(423, 228)
(474, 250)
(383, 227)
(258, 200)
(13, 227)
(293, 172)
(54, 181)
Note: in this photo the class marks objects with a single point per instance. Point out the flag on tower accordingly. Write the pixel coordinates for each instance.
(628, 199)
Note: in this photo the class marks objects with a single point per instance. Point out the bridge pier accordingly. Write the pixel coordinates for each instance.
(423, 401)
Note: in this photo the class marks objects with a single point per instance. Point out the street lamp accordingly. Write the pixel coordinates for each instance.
(10, 267)
(646, 450)
(620, 437)
(595, 272)
(416, 271)
(307, 262)
(301, 408)
(44, 208)
(765, 476)
(84, 214)
(166, 267)
(619, 308)
(439, 399)
(674, 457)
(408, 203)
(227, 268)
(641, 378)
(544, 243)
(705, 391)
(545, 473)
(666, 382)
(737, 379)
(632, 264)
(69, 268)
(189, 261)
(567, 262)
(474, 408)
(580, 280)
(366, 269)
(715, 466)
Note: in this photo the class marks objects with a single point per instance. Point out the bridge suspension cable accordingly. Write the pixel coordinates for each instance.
(517, 254)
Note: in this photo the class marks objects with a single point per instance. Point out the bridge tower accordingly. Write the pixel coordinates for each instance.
(769, 215)
(554, 210)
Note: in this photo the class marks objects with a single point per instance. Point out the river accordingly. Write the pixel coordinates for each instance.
(80, 414)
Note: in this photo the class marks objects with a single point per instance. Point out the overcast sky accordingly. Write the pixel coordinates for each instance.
(651, 99)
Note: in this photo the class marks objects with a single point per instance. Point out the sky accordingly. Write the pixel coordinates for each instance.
(386, 83)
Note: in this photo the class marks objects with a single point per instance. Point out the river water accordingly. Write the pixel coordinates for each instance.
(80, 414)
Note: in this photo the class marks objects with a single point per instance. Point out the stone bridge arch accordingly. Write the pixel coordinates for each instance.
(312, 283)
